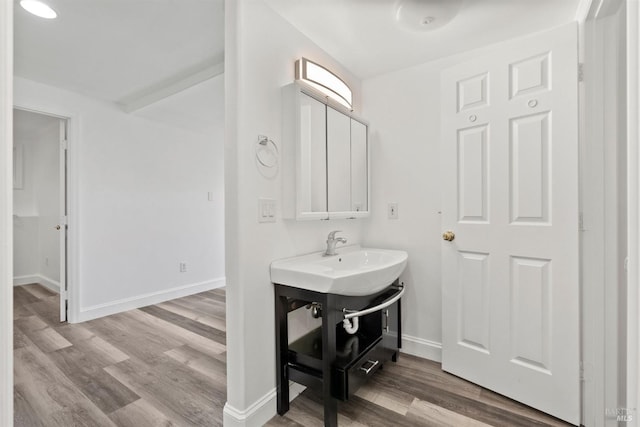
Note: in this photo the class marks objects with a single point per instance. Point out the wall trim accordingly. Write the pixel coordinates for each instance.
(426, 349)
(261, 411)
(45, 281)
(172, 85)
(131, 303)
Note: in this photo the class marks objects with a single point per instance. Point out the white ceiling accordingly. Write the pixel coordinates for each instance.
(124, 50)
(364, 37)
(115, 49)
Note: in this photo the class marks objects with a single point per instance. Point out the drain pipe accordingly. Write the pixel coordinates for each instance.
(351, 325)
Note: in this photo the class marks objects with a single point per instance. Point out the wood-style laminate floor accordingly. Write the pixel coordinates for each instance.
(162, 365)
(165, 365)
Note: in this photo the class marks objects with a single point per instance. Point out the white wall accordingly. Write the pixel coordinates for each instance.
(36, 204)
(25, 248)
(24, 199)
(404, 111)
(260, 52)
(139, 204)
(47, 169)
(25, 221)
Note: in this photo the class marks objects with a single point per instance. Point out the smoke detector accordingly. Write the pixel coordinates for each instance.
(425, 15)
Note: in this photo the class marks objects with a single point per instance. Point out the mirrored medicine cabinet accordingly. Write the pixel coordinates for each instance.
(325, 157)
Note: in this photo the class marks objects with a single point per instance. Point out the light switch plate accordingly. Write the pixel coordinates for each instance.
(392, 211)
(266, 210)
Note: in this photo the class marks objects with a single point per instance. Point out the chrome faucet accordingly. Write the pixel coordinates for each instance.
(332, 241)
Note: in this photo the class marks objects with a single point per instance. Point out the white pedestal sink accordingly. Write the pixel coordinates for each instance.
(354, 271)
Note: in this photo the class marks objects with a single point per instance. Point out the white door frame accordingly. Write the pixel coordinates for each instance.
(6, 213)
(596, 400)
(610, 351)
(633, 213)
(63, 125)
(72, 269)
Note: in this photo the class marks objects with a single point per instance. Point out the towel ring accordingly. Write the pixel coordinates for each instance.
(267, 152)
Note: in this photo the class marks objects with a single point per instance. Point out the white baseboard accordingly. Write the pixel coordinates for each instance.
(260, 411)
(27, 279)
(37, 278)
(422, 348)
(101, 310)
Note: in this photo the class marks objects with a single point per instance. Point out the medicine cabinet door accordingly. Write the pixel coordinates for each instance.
(359, 167)
(312, 171)
(338, 161)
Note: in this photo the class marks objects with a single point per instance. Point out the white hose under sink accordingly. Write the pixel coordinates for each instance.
(350, 322)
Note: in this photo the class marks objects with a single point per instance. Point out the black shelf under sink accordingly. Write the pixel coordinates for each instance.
(307, 350)
(347, 361)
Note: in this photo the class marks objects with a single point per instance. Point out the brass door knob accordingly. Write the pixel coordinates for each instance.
(448, 235)
(57, 227)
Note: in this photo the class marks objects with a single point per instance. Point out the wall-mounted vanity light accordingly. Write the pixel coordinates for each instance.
(325, 81)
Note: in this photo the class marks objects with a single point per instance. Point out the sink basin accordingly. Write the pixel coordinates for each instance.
(353, 271)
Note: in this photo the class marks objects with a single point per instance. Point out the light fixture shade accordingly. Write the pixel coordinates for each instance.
(324, 81)
(425, 15)
(39, 9)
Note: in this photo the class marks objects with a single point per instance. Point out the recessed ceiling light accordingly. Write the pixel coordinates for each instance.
(38, 8)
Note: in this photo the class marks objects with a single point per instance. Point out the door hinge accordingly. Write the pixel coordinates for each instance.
(580, 71)
(580, 221)
(582, 371)
(586, 371)
(64, 144)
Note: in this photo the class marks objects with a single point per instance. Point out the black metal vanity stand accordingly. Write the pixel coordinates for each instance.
(347, 361)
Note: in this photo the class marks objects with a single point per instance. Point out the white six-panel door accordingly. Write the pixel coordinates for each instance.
(510, 196)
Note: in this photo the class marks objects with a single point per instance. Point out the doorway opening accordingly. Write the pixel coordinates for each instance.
(40, 202)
